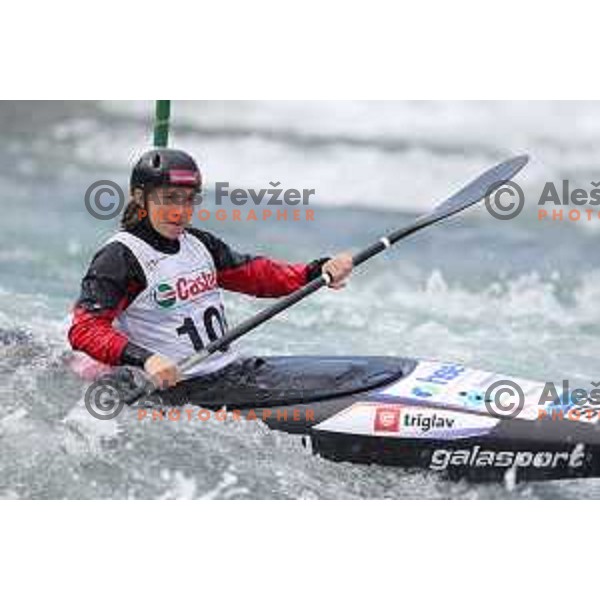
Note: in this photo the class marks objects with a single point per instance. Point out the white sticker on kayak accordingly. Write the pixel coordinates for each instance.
(397, 420)
(451, 384)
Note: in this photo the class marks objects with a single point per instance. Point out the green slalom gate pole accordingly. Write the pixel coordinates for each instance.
(161, 123)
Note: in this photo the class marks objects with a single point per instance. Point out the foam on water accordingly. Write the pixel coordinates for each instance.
(396, 155)
(125, 458)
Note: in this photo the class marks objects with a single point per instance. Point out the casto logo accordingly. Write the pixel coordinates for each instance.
(166, 295)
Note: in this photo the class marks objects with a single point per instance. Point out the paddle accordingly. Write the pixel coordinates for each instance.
(475, 191)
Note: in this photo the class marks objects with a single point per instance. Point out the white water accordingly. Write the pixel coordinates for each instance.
(519, 297)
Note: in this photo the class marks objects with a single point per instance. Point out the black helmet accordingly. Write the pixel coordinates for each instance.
(165, 166)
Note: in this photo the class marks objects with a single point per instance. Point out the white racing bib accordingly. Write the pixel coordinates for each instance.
(181, 310)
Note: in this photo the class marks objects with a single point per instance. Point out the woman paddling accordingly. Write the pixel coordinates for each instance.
(152, 294)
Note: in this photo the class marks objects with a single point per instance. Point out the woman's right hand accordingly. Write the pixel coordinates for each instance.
(164, 372)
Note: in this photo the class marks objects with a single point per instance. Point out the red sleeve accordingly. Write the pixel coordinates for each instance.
(264, 278)
(94, 334)
(256, 275)
(112, 282)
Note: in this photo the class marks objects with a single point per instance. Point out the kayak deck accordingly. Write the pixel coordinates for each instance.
(402, 412)
(258, 382)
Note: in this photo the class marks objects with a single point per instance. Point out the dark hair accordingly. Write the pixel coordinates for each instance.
(131, 215)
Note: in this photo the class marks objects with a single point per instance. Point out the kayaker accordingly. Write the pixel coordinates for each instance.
(152, 294)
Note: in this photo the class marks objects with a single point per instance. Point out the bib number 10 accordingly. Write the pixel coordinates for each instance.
(214, 326)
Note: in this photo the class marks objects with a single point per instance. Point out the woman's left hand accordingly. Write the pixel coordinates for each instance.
(339, 268)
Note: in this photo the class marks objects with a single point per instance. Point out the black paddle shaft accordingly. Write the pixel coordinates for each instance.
(472, 193)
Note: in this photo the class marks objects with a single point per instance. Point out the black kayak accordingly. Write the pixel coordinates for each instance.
(405, 412)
